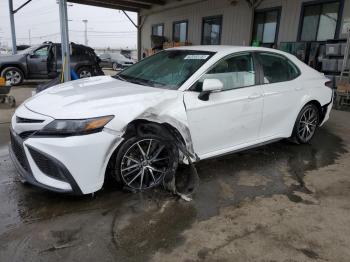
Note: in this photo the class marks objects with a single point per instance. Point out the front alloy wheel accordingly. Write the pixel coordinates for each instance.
(13, 75)
(145, 162)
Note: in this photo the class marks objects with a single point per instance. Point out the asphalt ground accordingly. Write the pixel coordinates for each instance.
(280, 202)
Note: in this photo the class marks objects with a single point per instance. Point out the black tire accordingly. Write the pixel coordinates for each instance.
(13, 74)
(12, 101)
(84, 72)
(139, 173)
(306, 124)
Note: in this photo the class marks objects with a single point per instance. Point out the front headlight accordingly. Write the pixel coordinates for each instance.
(75, 127)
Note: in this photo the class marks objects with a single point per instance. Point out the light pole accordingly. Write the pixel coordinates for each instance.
(0, 38)
(12, 22)
(85, 21)
(64, 39)
(13, 30)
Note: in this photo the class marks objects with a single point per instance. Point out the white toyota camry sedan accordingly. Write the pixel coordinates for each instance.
(210, 100)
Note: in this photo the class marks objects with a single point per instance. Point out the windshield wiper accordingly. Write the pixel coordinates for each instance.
(154, 84)
(135, 80)
(140, 81)
(120, 78)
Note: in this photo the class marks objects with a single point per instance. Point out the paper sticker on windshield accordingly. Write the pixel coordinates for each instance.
(196, 57)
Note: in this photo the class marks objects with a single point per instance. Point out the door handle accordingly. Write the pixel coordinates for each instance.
(254, 96)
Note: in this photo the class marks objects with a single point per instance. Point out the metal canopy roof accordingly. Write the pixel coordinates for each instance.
(132, 5)
(137, 5)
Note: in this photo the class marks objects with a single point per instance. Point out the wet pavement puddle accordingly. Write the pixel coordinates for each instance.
(151, 220)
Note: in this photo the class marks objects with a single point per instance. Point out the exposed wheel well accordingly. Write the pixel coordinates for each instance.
(149, 127)
(83, 66)
(13, 65)
(321, 109)
(141, 126)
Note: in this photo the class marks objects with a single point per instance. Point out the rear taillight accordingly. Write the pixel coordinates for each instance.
(329, 84)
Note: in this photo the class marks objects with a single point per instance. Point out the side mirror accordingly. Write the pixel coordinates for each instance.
(209, 86)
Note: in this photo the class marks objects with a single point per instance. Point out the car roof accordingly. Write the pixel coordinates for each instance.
(224, 49)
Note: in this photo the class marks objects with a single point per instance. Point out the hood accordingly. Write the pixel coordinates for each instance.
(10, 58)
(93, 97)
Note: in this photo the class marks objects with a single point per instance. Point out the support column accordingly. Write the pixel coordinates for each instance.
(64, 40)
(139, 35)
(13, 30)
(85, 21)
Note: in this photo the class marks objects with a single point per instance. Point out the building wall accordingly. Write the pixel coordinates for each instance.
(346, 18)
(237, 19)
(290, 17)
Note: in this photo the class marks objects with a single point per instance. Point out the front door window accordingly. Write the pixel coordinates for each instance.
(234, 72)
(42, 52)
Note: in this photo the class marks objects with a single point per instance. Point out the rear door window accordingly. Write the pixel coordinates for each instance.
(277, 68)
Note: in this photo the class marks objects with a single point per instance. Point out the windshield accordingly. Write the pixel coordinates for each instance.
(29, 50)
(167, 69)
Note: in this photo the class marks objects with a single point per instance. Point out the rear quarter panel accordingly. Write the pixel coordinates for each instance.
(312, 88)
(314, 85)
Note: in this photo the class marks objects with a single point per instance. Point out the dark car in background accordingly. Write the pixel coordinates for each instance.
(22, 47)
(117, 61)
(44, 61)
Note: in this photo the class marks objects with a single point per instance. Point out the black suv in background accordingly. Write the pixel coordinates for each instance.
(45, 61)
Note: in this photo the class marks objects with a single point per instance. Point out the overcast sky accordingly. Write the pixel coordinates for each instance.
(106, 27)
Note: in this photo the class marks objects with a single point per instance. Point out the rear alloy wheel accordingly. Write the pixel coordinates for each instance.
(143, 162)
(306, 124)
(84, 72)
(13, 75)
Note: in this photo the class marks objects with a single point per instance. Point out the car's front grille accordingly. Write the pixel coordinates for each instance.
(26, 134)
(18, 150)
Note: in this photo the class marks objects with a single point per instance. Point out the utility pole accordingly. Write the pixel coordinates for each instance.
(85, 21)
(29, 37)
(138, 26)
(64, 39)
(13, 30)
(0, 37)
(12, 22)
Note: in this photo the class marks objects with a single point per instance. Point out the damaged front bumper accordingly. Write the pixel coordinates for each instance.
(66, 165)
(19, 158)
